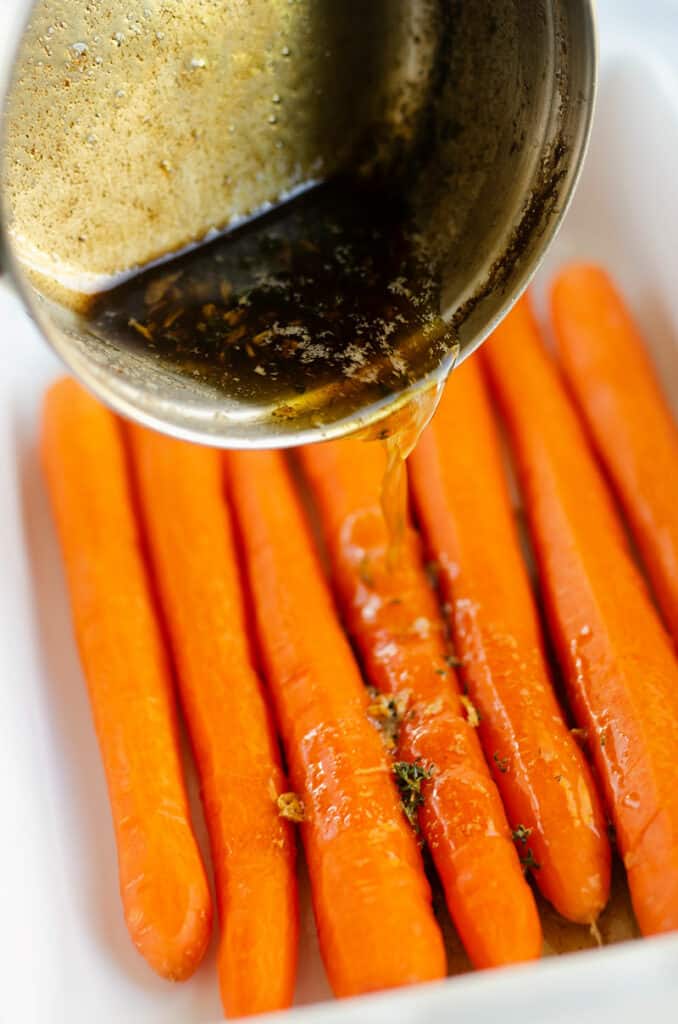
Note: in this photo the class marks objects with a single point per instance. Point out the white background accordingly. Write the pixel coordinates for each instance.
(64, 952)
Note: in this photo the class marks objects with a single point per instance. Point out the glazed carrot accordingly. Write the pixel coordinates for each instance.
(370, 894)
(162, 880)
(617, 660)
(614, 384)
(465, 511)
(194, 559)
(393, 616)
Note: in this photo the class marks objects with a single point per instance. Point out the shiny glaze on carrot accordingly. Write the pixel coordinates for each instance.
(618, 661)
(162, 880)
(464, 508)
(192, 549)
(370, 894)
(393, 616)
(615, 385)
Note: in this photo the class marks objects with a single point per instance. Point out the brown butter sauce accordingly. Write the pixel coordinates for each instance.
(400, 434)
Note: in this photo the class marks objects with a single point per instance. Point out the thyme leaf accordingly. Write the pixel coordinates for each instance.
(521, 834)
(409, 777)
(386, 711)
(529, 862)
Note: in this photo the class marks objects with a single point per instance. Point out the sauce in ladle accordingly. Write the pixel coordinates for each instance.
(325, 307)
(313, 312)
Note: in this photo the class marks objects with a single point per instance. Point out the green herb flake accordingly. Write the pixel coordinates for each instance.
(409, 776)
(521, 834)
(452, 661)
(529, 862)
(441, 672)
(386, 711)
(502, 763)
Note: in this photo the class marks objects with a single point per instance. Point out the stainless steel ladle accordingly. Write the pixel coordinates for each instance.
(135, 129)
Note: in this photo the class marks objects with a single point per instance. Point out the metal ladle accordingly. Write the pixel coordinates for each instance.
(135, 129)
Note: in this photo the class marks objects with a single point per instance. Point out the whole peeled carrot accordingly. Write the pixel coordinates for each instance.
(162, 879)
(617, 660)
(465, 511)
(615, 386)
(370, 894)
(393, 617)
(181, 491)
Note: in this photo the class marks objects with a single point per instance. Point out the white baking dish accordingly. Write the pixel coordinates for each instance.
(64, 951)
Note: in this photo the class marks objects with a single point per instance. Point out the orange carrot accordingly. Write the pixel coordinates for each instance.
(193, 555)
(370, 894)
(394, 619)
(614, 383)
(162, 880)
(465, 511)
(617, 659)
